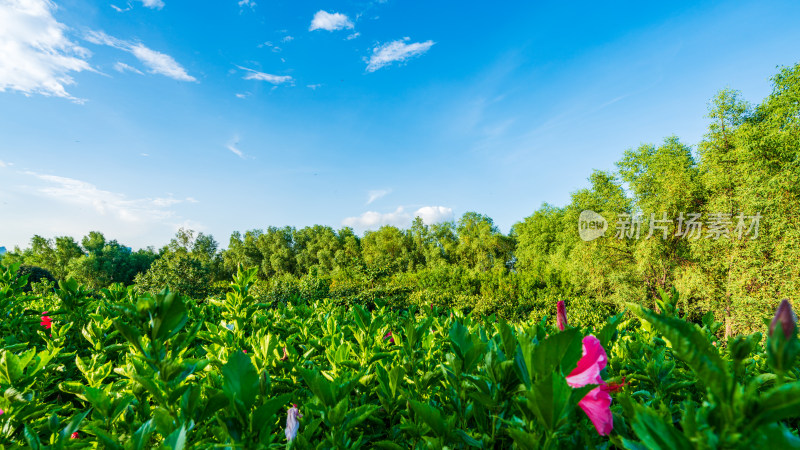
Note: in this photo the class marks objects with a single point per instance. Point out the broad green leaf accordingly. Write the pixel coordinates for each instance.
(690, 344)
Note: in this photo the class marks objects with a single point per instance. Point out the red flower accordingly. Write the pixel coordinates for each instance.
(75, 435)
(46, 322)
(244, 351)
(597, 403)
(388, 336)
(561, 315)
(614, 386)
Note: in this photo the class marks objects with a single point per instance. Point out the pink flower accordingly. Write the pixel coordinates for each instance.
(388, 336)
(245, 351)
(1, 412)
(75, 435)
(46, 321)
(597, 403)
(561, 315)
(293, 422)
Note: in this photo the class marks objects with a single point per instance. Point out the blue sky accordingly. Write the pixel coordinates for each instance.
(136, 118)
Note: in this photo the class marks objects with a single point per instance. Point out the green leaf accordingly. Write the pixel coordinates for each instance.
(431, 416)
(523, 440)
(549, 400)
(469, 440)
(141, 438)
(32, 439)
(655, 434)
(389, 445)
(177, 439)
(172, 315)
(358, 415)
(240, 379)
(691, 345)
(777, 404)
(72, 426)
(263, 414)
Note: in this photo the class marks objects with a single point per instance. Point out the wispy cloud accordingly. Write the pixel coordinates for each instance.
(157, 62)
(121, 67)
(242, 95)
(261, 76)
(269, 44)
(376, 194)
(153, 4)
(236, 151)
(399, 217)
(324, 20)
(353, 36)
(3, 163)
(160, 63)
(396, 51)
(77, 192)
(287, 39)
(249, 3)
(53, 205)
(36, 57)
(313, 87)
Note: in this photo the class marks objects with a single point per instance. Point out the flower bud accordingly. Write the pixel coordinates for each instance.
(561, 315)
(786, 318)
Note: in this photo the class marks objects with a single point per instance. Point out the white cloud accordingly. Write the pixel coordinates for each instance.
(3, 164)
(236, 151)
(313, 87)
(239, 95)
(50, 205)
(153, 4)
(121, 67)
(118, 9)
(103, 202)
(373, 219)
(261, 76)
(160, 63)
(434, 214)
(287, 39)
(353, 36)
(376, 194)
(144, 154)
(398, 50)
(324, 20)
(157, 62)
(269, 44)
(35, 55)
(399, 217)
(250, 3)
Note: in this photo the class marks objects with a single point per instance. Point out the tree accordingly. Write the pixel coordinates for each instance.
(481, 246)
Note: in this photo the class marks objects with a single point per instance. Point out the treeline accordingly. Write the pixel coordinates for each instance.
(724, 231)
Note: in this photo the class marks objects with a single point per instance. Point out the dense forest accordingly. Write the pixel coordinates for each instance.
(742, 179)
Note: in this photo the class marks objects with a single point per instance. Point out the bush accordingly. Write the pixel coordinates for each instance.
(35, 275)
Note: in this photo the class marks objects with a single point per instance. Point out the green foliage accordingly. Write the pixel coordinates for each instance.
(161, 370)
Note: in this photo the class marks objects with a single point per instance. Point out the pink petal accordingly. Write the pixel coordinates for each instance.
(561, 315)
(594, 360)
(597, 405)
